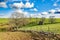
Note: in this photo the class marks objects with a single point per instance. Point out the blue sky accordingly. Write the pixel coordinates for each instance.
(30, 6)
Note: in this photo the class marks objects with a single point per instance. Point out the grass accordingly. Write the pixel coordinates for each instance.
(3, 20)
(27, 36)
(48, 27)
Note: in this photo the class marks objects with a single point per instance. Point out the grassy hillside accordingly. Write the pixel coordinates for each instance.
(3, 22)
(48, 27)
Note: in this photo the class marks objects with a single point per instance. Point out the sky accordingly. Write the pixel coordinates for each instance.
(32, 7)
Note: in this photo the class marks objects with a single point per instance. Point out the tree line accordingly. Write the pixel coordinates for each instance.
(18, 20)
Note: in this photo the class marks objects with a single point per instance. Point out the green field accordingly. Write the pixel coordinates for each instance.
(46, 27)
(50, 27)
(4, 20)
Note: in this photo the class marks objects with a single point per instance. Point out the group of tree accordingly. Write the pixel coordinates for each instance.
(18, 20)
(51, 20)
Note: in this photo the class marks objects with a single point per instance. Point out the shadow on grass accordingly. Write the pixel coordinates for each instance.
(51, 23)
(36, 24)
(28, 25)
(3, 30)
(31, 24)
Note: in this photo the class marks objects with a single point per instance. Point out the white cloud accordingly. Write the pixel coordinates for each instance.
(22, 5)
(1, 14)
(28, 5)
(56, 15)
(59, 10)
(14, 0)
(26, 13)
(35, 9)
(3, 4)
(18, 0)
(21, 11)
(52, 11)
(44, 13)
(36, 15)
(33, 15)
(55, 4)
(18, 5)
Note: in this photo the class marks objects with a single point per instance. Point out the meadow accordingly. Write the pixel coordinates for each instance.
(32, 26)
(46, 27)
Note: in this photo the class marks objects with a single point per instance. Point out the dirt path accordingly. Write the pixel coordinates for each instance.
(14, 36)
(29, 35)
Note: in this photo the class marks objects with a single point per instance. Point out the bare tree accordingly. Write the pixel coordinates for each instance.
(42, 20)
(17, 20)
(52, 19)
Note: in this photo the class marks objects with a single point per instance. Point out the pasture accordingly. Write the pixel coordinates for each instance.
(31, 31)
(46, 27)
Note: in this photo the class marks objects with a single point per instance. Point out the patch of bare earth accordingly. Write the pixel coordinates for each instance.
(14, 36)
(29, 35)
